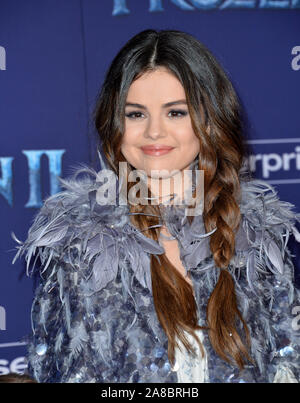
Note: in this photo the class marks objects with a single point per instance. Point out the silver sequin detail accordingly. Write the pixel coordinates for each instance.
(153, 367)
(41, 349)
(159, 352)
(77, 377)
(286, 351)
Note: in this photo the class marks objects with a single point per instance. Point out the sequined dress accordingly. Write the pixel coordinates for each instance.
(93, 316)
(192, 369)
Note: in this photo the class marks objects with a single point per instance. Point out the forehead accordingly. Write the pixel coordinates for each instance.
(160, 82)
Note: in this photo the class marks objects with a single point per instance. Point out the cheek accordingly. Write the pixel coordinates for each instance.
(126, 151)
(130, 138)
(127, 143)
(189, 141)
(196, 144)
(131, 153)
(125, 148)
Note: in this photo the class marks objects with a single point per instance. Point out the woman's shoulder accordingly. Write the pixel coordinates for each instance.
(67, 219)
(74, 231)
(265, 216)
(262, 239)
(261, 204)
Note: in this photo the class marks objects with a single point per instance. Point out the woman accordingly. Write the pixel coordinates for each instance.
(144, 292)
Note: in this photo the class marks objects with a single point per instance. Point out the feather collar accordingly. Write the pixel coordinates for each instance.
(104, 237)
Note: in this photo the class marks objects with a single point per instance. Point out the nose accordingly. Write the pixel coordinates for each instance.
(155, 128)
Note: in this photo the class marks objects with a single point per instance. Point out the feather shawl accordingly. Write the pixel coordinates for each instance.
(93, 316)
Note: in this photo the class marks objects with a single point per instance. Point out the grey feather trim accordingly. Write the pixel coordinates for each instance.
(73, 220)
(78, 336)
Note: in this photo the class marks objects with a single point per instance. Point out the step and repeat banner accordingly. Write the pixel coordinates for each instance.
(53, 57)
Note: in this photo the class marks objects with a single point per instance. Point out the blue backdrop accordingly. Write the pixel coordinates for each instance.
(53, 56)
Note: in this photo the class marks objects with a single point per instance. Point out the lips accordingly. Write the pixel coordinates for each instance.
(156, 150)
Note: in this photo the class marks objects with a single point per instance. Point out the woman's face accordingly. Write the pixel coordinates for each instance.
(150, 122)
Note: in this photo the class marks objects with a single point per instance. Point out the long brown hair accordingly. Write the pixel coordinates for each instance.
(217, 122)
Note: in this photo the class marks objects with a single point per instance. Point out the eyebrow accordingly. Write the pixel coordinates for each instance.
(180, 101)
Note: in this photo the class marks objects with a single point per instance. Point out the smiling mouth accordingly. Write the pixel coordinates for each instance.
(156, 151)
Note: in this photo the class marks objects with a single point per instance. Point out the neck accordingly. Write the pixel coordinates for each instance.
(175, 189)
(170, 190)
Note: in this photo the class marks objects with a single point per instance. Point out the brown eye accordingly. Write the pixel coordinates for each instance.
(132, 115)
(178, 113)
